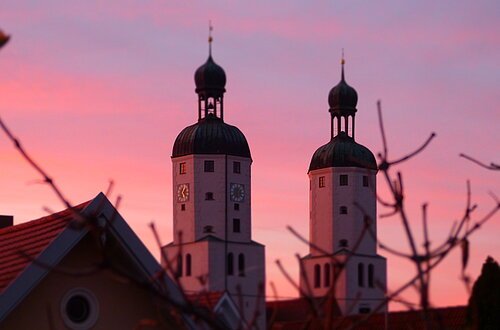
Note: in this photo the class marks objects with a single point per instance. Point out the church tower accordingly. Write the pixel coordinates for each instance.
(342, 201)
(213, 250)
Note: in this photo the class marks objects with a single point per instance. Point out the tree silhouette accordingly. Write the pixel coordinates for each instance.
(483, 311)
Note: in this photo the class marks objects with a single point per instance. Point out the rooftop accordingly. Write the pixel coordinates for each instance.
(20, 244)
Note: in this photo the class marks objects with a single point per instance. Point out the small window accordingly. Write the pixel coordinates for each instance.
(321, 181)
(183, 207)
(236, 167)
(236, 225)
(209, 166)
(361, 275)
(364, 310)
(79, 309)
(371, 273)
(327, 275)
(236, 206)
(365, 181)
(179, 266)
(344, 180)
(317, 276)
(230, 264)
(367, 220)
(182, 168)
(343, 210)
(209, 196)
(188, 264)
(208, 229)
(343, 243)
(241, 265)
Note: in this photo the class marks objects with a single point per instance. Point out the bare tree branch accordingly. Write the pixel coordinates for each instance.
(492, 166)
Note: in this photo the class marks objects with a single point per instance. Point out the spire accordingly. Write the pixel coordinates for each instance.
(342, 100)
(210, 39)
(342, 62)
(210, 80)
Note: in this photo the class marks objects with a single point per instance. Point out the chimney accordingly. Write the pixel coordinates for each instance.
(6, 221)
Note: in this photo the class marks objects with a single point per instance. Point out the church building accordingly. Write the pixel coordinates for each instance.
(213, 250)
(343, 259)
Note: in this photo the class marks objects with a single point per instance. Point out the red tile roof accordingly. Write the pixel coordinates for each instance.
(294, 314)
(299, 309)
(20, 243)
(207, 300)
(439, 318)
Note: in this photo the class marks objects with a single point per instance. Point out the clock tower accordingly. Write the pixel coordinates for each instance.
(343, 259)
(213, 250)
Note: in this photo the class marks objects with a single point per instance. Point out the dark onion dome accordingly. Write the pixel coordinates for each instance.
(210, 78)
(343, 96)
(211, 135)
(342, 151)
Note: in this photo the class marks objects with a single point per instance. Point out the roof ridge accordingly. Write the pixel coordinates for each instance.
(52, 216)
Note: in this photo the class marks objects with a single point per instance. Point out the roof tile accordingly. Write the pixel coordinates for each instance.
(20, 243)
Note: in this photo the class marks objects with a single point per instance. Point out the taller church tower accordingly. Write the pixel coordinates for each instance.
(213, 249)
(342, 201)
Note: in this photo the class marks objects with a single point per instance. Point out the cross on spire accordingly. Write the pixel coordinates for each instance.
(210, 39)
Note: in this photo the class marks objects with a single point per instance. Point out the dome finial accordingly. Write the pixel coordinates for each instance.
(342, 62)
(210, 39)
(4, 38)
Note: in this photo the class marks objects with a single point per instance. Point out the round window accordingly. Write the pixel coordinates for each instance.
(79, 309)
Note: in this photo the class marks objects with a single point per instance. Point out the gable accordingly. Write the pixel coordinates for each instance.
(22, 243)
(48, 250)
(111, 283)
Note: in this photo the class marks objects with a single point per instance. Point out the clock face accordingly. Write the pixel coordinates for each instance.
(237, 192)
(183, 192)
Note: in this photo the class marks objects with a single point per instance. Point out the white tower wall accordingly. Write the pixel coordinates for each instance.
(328, 223)
(200, 212)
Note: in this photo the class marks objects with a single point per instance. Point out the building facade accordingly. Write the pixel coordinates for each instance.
(83, 268)
(213, 249)
(343, 259)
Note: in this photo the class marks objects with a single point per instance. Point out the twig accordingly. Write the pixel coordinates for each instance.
(492, 166)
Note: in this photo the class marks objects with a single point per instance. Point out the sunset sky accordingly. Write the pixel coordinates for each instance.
(98, 90)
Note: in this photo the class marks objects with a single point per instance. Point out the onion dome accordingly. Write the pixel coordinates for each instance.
(342, 97)
(210, 79)
(343, 151)
(211, 135)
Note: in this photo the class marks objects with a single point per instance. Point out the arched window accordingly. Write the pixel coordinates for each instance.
(188, 264)
(317, 276)
(371, 274)
(230, 264)
(361, 275)
(179, 266)
(241, 265)
(350, 124)
(327, 275)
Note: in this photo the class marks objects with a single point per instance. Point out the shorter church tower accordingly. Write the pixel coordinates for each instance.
(342, 201)
(213, 250)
